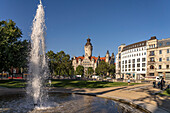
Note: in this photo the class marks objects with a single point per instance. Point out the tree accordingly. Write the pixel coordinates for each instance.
(90, 71)
(102, 68)
(13, 51)
(60, 63)
(111, 69)
(51, 58)
(80, 70)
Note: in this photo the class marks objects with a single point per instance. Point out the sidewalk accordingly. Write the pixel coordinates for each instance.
(142, 95)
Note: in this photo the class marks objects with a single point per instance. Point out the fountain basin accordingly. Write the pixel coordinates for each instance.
(62, 102)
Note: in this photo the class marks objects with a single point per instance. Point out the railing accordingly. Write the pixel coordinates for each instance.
(151, 54)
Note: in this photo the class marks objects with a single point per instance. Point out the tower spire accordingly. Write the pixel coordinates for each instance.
(40, 2)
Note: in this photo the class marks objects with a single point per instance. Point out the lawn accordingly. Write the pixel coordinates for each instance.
(66, 84)
(87, 84)
(12, 83)
(166, 92)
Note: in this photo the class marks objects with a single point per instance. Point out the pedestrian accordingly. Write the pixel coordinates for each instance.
(50, 82)
(154, 83)
(128, 81)
(162, 83)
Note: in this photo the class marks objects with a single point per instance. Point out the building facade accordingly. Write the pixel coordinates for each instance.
(118, 61)
(144, 60)
(91, 61)
(158, 53)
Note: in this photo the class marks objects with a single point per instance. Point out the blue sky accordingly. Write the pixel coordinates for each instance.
(109, 23)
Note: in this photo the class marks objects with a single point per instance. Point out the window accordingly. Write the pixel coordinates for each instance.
(133, 65)
(138, 60)
(152, 59)
(133, 60)
(160, 59)
(119, 48)
(160, 44)
(143, 64)
(144, 53)
(167, 66)
(119, 55)
(129, 61)
(160, 66)
(119, 64)
(143, 69)
(138, 69)
(125, 61)
(138, 65)
(167, 58)
(167, 50)
(160, 51)
(129, 66)
(168, 43)
(151, 74)
(143, 59)
(152, 53)
(151, 67)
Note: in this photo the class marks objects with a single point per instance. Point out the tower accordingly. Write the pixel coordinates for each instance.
(107, 56)
(88, 48)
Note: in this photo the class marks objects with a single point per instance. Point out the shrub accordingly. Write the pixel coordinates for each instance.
(168, 91)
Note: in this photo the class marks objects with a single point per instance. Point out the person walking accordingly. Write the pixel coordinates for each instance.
(49, 82)
(128, 81)
(162, 83)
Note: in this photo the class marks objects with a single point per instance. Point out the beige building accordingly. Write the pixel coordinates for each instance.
(158, 53)
(91, 61)
(144, 60)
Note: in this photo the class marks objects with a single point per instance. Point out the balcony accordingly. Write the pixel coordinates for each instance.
(151, 62)
(151, 54)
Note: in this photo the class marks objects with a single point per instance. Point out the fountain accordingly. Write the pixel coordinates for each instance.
(38, 67)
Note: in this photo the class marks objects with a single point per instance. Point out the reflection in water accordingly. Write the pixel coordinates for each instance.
(63, 102)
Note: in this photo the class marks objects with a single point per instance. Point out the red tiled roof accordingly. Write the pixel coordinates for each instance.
(93, 57)
(80, 57)
(103, 58)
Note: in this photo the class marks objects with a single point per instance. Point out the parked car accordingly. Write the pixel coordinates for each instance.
(108, 78)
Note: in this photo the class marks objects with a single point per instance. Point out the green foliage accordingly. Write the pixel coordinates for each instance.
(168, 91)
(80, 70)
(102, 68)
(13, 83)
(90, 70)
(13, 51)
(111, 69)
(60, 63)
